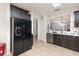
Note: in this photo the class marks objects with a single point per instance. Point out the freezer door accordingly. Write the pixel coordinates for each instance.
(17, 37)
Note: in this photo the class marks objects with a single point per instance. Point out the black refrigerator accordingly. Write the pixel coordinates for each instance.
(21, 36)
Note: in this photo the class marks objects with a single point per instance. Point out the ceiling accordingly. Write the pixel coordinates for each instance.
(44, 8)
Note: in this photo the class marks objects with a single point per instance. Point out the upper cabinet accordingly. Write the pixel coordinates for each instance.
(19, 13)
(24, 15)
(15, 12)
(76, 13)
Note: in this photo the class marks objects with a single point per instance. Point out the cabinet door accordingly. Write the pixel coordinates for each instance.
(15, 12)
(75, 44)
(24, 15)
(54, 39)
(11, 11)
(57, 39)
(76, 18)
(69, 38)
(64, 41)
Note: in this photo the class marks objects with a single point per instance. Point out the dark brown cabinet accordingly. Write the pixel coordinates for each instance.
(15, 12)
(75, 43)
(57, 39)
(66, 41)
(76, 13)
(63, 41)
(19, 13)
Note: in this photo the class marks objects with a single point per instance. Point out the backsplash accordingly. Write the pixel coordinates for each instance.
(73, 30)
(61, 23)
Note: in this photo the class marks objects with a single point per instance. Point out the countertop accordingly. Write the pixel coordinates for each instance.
(65, 33)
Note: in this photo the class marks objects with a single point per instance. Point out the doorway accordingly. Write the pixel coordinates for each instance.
(35, 28)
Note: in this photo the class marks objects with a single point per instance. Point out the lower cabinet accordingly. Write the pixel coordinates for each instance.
(57, 39)
(75, 43)
(69, 38)
(66, 41)
(63, 41)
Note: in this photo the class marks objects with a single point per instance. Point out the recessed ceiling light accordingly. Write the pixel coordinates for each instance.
(56, 4)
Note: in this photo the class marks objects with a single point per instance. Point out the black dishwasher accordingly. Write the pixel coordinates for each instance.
(49, 38)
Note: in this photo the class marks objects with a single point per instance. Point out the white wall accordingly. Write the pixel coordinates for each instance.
(8, 28)
(32, 21)
(42, 28)
(34, 27)
(4, 24)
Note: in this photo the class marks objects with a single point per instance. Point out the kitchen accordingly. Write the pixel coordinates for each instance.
(57, 29)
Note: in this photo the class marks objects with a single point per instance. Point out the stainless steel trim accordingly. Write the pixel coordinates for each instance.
(12, 35)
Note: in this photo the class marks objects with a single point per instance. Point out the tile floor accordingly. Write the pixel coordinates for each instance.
(40, 48)
(45, 49)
